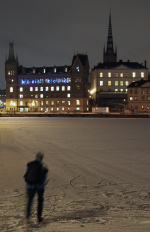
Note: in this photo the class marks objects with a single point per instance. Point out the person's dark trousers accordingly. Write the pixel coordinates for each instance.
(31, 194)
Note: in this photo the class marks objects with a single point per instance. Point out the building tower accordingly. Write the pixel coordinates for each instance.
(11, 76)
(109, 55)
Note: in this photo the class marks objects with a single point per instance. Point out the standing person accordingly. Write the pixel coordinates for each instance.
(35, 176)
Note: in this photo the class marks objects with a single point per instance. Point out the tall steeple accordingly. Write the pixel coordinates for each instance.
(11, 57)
(109, 55)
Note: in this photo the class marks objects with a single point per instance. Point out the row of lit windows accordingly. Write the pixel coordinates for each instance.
(52, 88)
(116, 83)
(40, 95)
(47, 81)
(51, 109)
(142, 107)
(11, 72)
(147, 91)
(121, 74)
(143, 98)
(52, 103)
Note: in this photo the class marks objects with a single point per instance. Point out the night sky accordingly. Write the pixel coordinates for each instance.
(49, 32)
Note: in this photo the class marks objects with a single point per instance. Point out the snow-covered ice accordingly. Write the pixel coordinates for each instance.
(99, 173)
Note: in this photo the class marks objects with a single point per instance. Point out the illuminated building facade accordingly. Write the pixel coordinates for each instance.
(139, 96)
(110, 79)
(54, 89)
(2, 98)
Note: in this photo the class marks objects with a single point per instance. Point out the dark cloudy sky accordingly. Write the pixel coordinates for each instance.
(48, 32)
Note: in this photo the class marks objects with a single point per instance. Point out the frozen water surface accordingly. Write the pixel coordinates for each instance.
(99, 173)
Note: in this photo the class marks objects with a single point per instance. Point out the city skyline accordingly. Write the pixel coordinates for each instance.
(47, 33)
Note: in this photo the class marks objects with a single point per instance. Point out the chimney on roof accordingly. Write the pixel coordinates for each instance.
(145, 63)
(128, 61)
(120, 60)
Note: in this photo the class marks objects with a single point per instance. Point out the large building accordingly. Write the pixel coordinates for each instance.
(54, 89)
(110, 79)
(139, 96)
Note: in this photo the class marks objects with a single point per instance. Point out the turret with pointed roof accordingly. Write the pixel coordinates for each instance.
(11, 57)
(109, 55)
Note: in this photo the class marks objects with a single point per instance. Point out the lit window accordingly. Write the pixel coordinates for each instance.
(41, 88)
(121, 74)
(46, 88)
(68, 88)
(109, 74)
(127, 83)
(8, 72)
(41, 95)
(77, 102)
(78, 108)
(57, 103)
(36, 88)
(63, 103)
(52, 109)
(121, 90)
(52, 103)
(121, 83)
(142, 107)
(131, 98)
(11, 89)
(63, 108)
(101, 83)
(66, 69)
(57, 88)
(44, 70)
(133, 74)
(33, 70)
(77, 68)
(52, 88)
(116, 83)
(69, 103)
(36, 95)
(41, 109)
(21, 89)
(109, 83)
(36, 103)
(68, 79)
(42, 103)
(54, 70)
(57, 109)
(116, 74)
(21, 103)
(31, 89)
(21, 95)
(127, 74)
(101, 74)
(68, 95)
(142, 91)
(142, 74)
(116, 90)
(46, 102)
(63, 88)
(11, 103)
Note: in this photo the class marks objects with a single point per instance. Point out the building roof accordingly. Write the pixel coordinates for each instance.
(111, 65)
(83, 59)
(138, 83)
(40, 70)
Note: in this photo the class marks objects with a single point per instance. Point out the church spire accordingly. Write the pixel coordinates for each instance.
(11, 57)
(110, 55)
